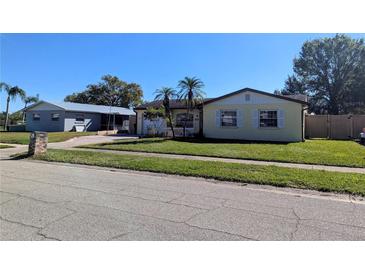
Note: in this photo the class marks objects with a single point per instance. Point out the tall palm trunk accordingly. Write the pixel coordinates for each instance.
(171, 125)
(187, 114)
(189, 105)
(25, 105)
(186, 119)
(166, 105)
(7, 113)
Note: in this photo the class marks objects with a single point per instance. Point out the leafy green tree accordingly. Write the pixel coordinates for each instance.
(110, 91)
(191, 91)
(12, 94)
(28, 100)
(293, 86)
(166, 94)
(154, 113)
(15, 117)
(332, 72)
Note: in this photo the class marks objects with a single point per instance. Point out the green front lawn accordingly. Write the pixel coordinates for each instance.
(23, 137)
(325, 152)
(269, 175)
(5, 146)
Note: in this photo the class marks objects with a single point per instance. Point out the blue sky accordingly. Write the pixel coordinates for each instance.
(55, 65)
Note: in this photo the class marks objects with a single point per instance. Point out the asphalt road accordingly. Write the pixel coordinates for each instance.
(44, 201)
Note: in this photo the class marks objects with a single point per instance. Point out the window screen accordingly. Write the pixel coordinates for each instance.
(180, 120)
(228, 118)
(268, 118)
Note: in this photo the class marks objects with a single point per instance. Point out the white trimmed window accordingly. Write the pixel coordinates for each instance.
(36, 116)
(268, 118)
(228, 118)
(55, 116)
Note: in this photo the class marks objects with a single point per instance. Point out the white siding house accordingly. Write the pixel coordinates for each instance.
(246, 114)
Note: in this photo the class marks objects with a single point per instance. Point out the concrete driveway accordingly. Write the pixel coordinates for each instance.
(87, 140)
(45, 201)
(74, 142)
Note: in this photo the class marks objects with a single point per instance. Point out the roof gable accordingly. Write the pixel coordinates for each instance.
(174, 104)
(43, 105)
(250, 90)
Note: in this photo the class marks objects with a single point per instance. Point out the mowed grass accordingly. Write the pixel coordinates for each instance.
(268, 175)
(324, 152)
(23, 137)
(5, 146)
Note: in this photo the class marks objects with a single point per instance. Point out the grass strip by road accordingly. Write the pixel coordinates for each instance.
(5, 146)
(268, 175)
(22, 138)
(323, 152)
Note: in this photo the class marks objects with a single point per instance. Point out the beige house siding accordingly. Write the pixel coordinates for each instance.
(291, 129)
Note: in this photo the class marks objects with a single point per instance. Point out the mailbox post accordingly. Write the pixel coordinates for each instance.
(38, 143)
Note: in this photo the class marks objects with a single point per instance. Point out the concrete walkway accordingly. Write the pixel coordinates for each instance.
(228, 160)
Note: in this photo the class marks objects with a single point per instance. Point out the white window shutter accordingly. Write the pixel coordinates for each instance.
(255, 118)
(239, 118)
(218, 118)
(281, 118)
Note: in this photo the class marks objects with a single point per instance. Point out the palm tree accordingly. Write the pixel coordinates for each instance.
(191, 92)
(166, 94)
(12, 92)
(27, 100)
(4, 86)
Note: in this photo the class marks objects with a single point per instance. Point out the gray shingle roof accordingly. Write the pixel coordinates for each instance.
(89, 108)
(174, 104)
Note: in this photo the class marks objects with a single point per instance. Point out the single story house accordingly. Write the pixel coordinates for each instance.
(160, 127)
(65, 116)
(246, 114)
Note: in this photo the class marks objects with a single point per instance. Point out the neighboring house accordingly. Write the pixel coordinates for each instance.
(65, 116)
(246, 114)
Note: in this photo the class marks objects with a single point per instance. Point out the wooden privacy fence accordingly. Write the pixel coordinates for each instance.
(338, 127)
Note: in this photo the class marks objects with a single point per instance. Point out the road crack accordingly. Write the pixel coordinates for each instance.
(47, 237)
(296, 225)
(19, 223)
